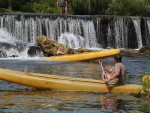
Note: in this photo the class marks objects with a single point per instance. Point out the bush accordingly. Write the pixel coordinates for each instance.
(129, 8)
(39, 8)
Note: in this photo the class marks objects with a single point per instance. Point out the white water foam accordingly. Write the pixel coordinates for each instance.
(136, 22)
(71, 40)
(7, 39)
(74, 41)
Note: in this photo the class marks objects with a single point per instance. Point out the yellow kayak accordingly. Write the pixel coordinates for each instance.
(54, 82)
(84, 56)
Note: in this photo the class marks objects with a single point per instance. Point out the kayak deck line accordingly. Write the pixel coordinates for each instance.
(65, 78)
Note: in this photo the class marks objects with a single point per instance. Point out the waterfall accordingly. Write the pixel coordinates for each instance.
(71, 40)
(137, 23)
(77, 31)
(89, 34)
(109, 37)
(9, 45)
(27, 29)
(120, 33)
(148, 31)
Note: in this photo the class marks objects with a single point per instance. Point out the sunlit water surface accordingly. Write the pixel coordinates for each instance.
(17, 98)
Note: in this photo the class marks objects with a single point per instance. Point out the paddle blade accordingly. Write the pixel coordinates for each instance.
(107, 89)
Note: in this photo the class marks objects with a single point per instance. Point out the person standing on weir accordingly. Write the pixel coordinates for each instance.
(63, 4)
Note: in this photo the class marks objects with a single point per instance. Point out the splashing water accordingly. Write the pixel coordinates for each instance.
(12, 46)
(71, 40)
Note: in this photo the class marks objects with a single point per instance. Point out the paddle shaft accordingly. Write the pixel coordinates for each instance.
(105, 76)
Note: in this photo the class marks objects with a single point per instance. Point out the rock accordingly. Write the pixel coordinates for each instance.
(82, 50)
(144, 52)
(50, 47)
(129, 52)
(3, 54)
(4, 45)
(19, 46)
(14, 56)
(144, 49)
(35, 51)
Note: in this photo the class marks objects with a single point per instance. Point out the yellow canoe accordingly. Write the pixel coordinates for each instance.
(54, 82)
(84, 56)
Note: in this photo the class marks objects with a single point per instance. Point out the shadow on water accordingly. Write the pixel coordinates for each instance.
(16, 98)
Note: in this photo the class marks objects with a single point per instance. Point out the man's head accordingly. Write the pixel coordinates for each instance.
(118, 58)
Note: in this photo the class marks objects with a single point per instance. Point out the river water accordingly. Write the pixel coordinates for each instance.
(16, 98)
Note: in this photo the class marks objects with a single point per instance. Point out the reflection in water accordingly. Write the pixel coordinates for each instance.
(109, 102)
(56, 101)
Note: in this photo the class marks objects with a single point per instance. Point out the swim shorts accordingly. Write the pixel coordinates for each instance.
(62, 3)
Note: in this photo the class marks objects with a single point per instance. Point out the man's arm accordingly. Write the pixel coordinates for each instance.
(116, 72)
(106, 67)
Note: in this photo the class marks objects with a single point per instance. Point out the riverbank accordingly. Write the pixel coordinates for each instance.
(143, 52)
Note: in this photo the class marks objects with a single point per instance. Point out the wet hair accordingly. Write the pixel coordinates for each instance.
(118, 58)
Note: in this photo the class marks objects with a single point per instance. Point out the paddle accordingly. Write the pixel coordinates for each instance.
(105, 76)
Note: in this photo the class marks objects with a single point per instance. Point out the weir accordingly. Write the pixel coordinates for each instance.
(78, 31)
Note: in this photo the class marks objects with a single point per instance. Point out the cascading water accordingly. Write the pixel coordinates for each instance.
(55, 29)
(148, 31)
(120, 33)
(137, 22)
(71, 40)
(8, 44)
(77, 31)
(12, 47)
(109, 37)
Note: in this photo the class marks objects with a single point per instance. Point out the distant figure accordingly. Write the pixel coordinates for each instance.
(63, 4)
(115, 74)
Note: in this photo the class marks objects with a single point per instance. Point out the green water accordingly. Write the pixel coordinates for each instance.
(16, 98)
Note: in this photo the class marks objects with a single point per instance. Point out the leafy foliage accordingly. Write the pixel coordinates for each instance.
(82, 7)
(129, 7)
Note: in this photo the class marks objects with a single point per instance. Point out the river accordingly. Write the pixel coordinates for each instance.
(16, 98)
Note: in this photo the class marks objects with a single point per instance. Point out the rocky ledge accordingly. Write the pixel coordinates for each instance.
(142, 52)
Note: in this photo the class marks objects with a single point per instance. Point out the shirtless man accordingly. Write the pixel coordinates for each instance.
(63, 4)
(115, 74)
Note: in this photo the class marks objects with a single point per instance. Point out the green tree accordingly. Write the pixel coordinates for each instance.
(38, 6)
(129, 7)
(81, 7)
(91, 7)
